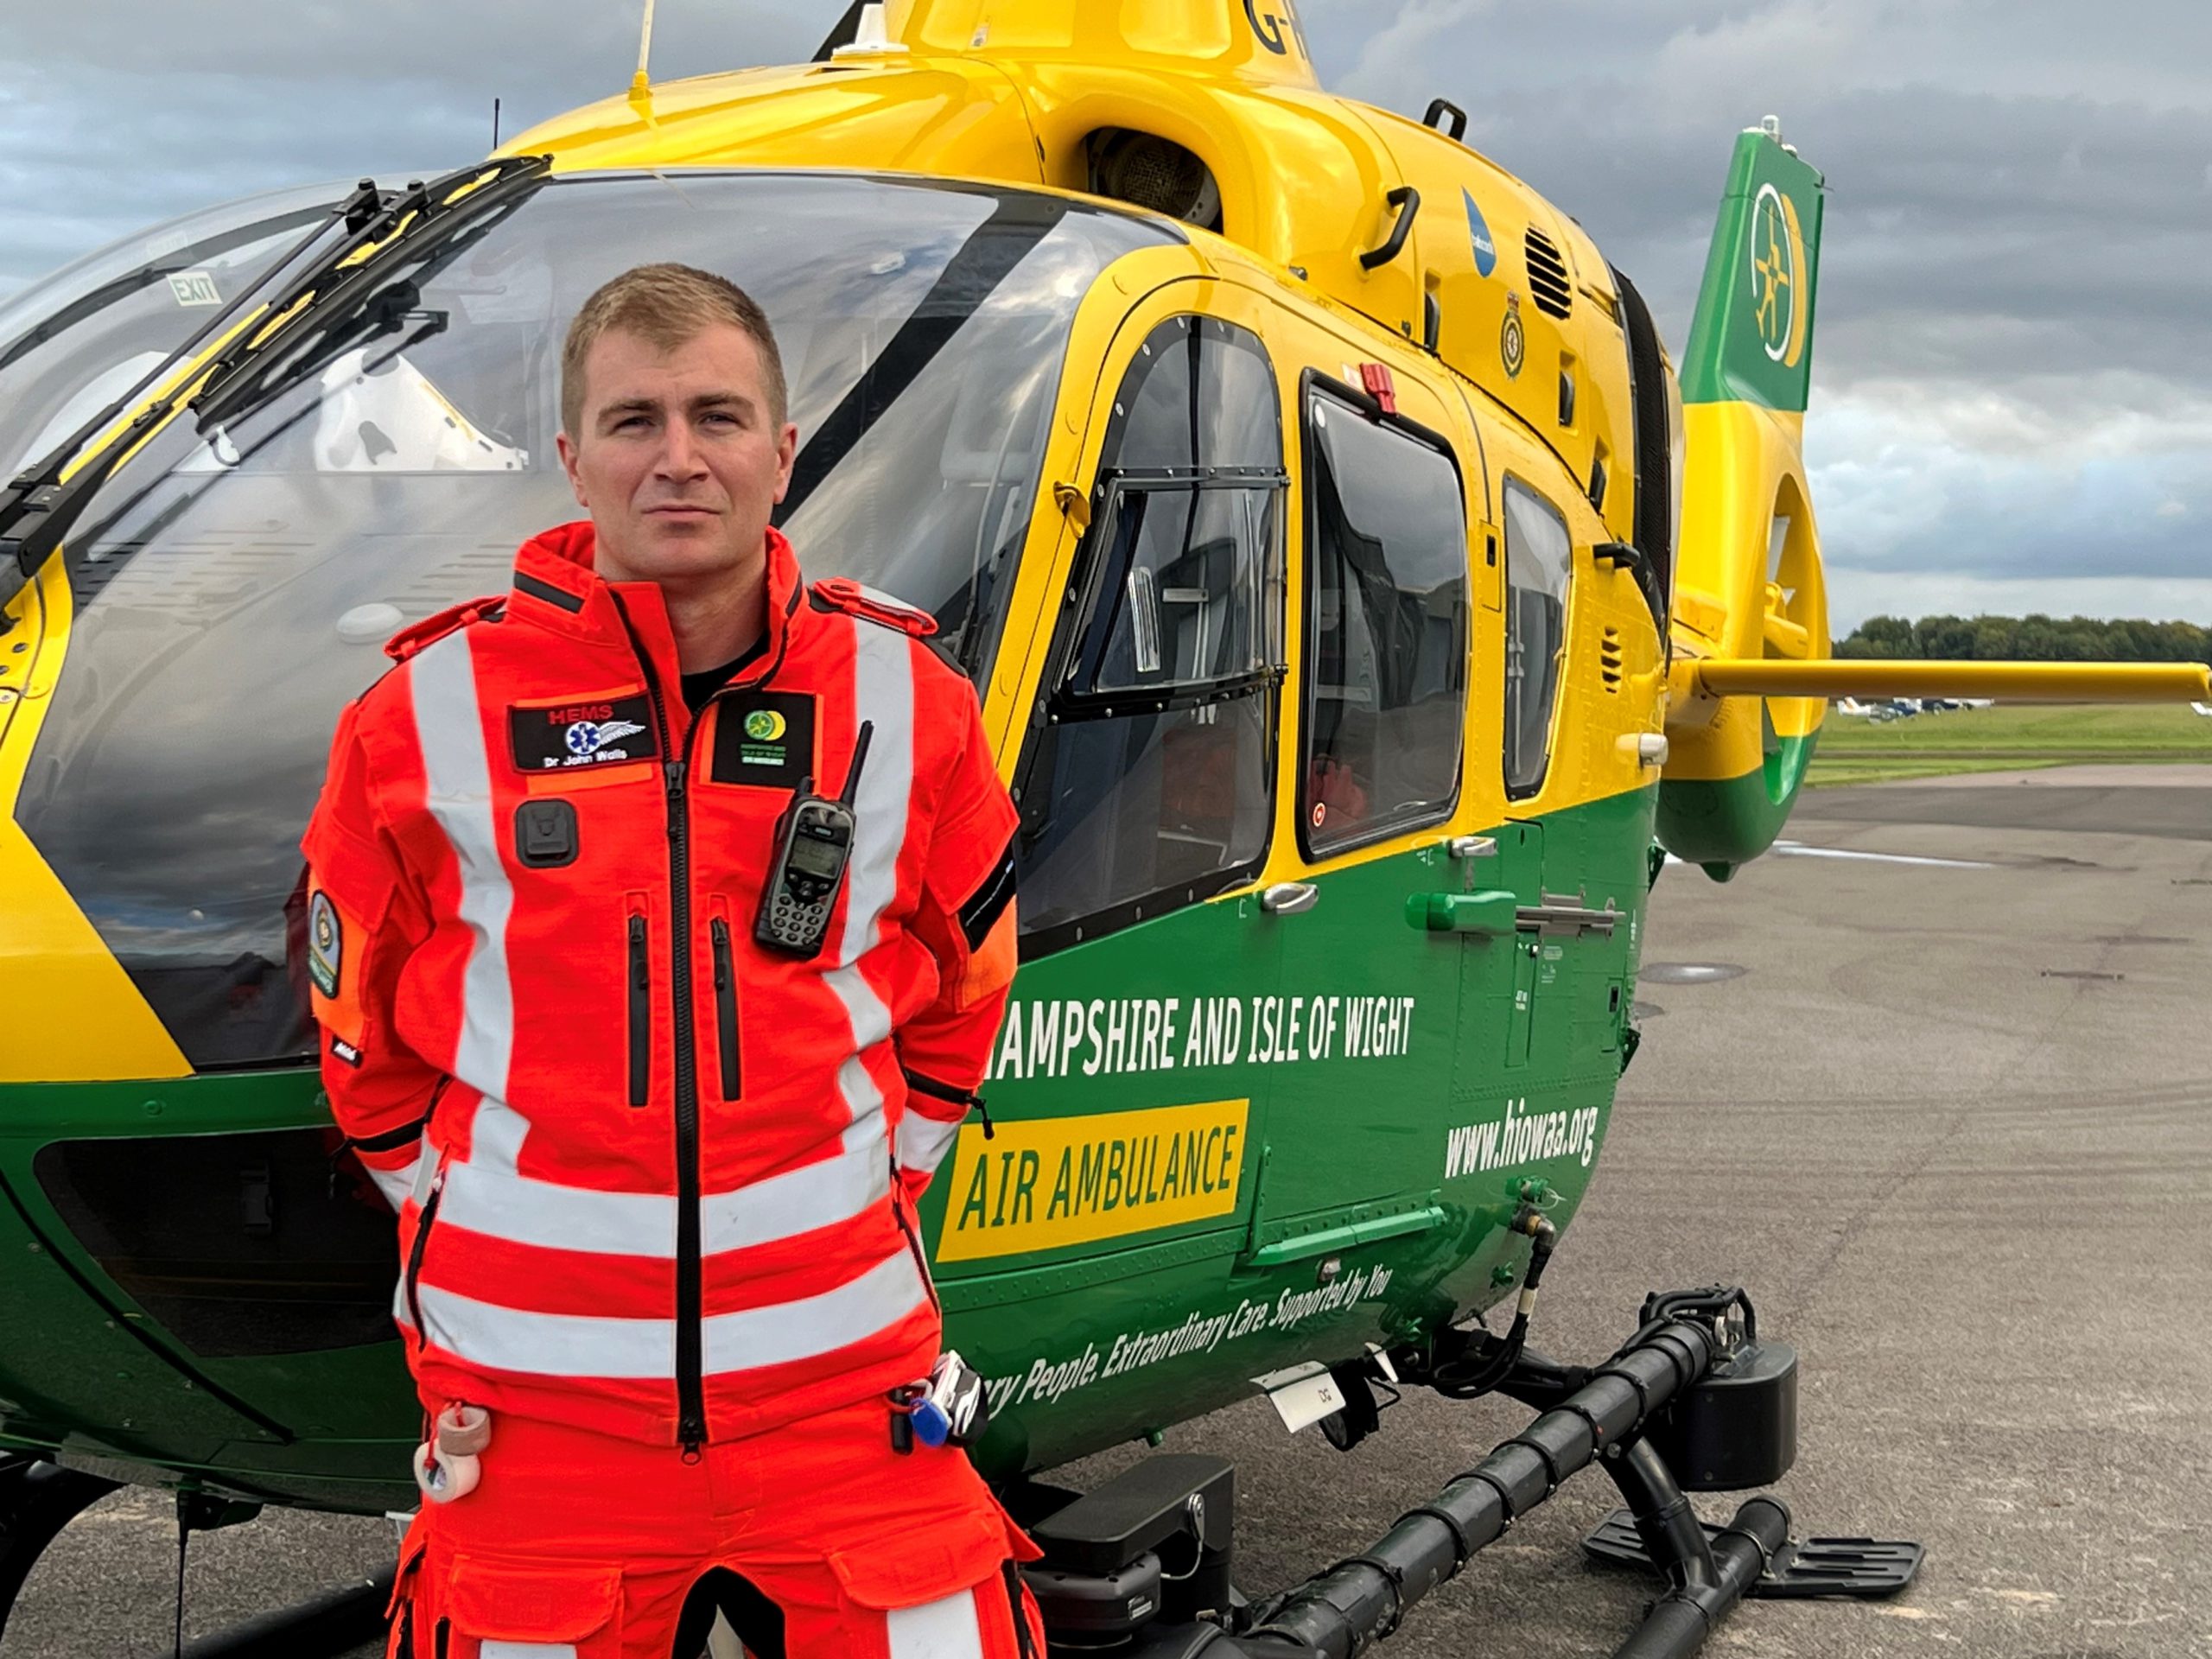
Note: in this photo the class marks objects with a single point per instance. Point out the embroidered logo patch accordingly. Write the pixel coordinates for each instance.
(764, 737)
(587, 732)
(326, 943)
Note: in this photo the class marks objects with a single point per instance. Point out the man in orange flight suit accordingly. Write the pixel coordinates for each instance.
(656, 1080)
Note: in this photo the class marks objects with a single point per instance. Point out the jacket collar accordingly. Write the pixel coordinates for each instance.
(556, 587)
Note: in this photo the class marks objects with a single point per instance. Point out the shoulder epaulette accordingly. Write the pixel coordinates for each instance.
(844, 593)
(419, 635)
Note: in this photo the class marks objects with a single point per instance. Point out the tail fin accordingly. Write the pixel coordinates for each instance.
(1748, 580)
(1751, 341)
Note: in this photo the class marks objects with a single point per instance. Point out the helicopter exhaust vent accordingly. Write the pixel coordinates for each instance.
(1610, 660)
(1149, 171)
(1547, 282)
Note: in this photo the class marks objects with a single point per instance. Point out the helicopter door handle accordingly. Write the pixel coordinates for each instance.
(1407, 201)
(1289, 898)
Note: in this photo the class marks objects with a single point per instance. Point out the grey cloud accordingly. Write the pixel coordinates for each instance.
(2021, 216)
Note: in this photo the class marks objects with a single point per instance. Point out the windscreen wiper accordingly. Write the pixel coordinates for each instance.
(137, 280)
(38, 507)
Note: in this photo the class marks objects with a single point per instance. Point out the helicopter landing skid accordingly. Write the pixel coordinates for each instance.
(37, 1499)
(1693, 1389)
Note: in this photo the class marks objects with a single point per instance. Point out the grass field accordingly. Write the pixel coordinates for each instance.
(2004, 739)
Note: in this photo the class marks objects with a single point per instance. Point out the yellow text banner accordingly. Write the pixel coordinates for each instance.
(1055, 1181)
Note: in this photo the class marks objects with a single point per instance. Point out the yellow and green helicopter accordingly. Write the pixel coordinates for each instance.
(1363, 603)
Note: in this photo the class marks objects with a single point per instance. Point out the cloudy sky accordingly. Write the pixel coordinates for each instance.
(2012, 391)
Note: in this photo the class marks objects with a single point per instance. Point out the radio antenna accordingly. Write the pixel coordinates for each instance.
(859, 760)
(640, 85)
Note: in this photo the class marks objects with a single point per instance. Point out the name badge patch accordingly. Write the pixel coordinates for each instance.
(584, 732)
(764, 738)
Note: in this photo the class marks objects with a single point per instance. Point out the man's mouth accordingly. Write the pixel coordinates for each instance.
(680, 511)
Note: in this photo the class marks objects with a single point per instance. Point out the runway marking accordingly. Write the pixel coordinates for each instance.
(1798, 850)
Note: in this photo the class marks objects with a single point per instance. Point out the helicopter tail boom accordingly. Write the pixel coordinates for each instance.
(1831, 676)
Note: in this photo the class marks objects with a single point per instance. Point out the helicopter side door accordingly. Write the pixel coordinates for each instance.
(1362, 1041)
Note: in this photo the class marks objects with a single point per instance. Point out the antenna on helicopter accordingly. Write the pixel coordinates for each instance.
(640, 84)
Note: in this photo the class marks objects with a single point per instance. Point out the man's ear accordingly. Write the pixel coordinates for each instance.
(567, 453)
(786, 457)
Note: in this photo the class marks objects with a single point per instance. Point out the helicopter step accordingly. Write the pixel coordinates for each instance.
(1695, 1381)
(1801, 1568)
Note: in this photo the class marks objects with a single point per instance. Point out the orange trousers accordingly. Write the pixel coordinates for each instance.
(818, 1539)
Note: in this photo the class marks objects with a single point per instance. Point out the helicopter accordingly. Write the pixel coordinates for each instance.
(1364, 605)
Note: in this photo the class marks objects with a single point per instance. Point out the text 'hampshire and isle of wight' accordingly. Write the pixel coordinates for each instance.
(1124, 1036)
(1054, 1181)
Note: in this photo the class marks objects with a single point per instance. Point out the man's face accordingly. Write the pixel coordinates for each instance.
(675, 456)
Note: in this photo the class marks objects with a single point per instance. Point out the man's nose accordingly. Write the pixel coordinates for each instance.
(679, 453)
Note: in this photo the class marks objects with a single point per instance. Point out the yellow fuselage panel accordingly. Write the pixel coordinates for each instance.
(1303, 178)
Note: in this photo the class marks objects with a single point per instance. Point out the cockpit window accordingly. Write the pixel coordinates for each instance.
(233, 586)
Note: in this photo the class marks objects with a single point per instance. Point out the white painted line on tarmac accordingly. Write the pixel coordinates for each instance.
(1798, 850)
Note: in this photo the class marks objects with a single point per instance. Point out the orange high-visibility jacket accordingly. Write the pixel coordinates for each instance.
(654, 1180)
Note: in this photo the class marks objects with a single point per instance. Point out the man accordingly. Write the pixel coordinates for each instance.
(656, 1110)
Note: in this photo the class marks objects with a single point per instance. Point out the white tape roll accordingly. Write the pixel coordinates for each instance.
(446, 1480)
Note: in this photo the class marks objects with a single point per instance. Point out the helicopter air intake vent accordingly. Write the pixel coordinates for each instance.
(1609, 661)
(1547, 282)
(1153, 172)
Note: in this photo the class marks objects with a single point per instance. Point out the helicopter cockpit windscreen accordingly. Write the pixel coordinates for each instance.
(235, 581)
(78, 339)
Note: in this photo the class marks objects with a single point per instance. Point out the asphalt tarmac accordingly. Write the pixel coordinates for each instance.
(1952, 1126)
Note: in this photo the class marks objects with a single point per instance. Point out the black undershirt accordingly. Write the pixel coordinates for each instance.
(697, 688)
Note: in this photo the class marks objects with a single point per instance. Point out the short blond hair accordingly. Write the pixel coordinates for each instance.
(665, 305)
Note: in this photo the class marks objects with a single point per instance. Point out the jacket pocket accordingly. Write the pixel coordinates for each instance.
(725, 1010)
(638, 977)
(515, 1609)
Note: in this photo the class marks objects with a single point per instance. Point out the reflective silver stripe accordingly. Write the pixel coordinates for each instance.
(397, 1185)
(502, 1204)
(946, 1629)
(492, 1648)
(923, 1141)
(883, 692)
(449, 729)
(569, 1344)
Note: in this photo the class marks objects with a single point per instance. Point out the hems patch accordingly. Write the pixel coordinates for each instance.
(582, 732)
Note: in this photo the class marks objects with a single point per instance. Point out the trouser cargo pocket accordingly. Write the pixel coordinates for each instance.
(535, 1610)
(949, 1591)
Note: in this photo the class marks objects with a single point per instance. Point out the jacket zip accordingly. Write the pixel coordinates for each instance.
(691, 1386)
(641, 1014)
(423, 1224)
(725, 1011)
(914, 1247)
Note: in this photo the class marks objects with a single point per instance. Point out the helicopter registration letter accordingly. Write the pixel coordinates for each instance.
(1054, 1181)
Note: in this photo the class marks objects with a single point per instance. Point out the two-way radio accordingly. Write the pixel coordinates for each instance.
(814, 843)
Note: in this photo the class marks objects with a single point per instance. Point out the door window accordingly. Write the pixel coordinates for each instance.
(1386, 676)
(1149, 785)
(1539, 562)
